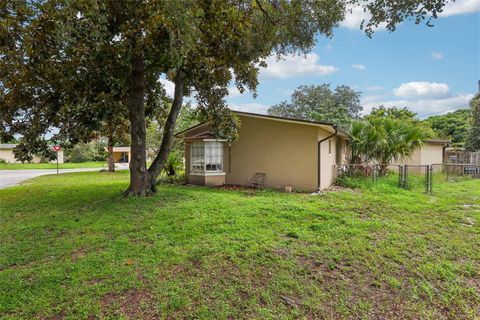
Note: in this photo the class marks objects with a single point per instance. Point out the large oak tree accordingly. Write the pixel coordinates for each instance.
(72, 64)
(320, 103)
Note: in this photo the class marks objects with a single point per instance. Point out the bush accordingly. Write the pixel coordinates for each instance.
(177, 179)
(3, 160)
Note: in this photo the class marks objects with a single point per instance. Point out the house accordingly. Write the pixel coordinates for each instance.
(6, 153)
(430, 152)
(121, 154)
(283, 153)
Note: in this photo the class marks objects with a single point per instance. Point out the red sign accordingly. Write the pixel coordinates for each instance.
(56, 148)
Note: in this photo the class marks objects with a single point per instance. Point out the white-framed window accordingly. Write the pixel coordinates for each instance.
(206, 156)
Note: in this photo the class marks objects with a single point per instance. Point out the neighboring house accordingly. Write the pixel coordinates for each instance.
(289, 153)
(121, 154)
(431, 152)
(6, 153)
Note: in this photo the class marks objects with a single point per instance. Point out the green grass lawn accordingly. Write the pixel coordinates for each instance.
(67, 165)
(73, 248)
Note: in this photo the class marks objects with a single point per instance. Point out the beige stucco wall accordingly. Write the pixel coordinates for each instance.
(427, 154)
(415, 157)
(328, 158)
(7, 155)
(286, 152)
(432, 154)
(208, 180)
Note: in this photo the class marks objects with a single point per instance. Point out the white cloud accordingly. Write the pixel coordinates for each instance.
(421, 89)
(359, 67)
(294, 66)
(424, 107)
(354, 17)
(373, 88)
(169, 87)
(460, 7)
(250, 107)
(233, 92)
(437, 55)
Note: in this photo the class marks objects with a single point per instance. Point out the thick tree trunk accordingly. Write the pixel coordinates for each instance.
(169, 129)
(111, 160)
(140, 182)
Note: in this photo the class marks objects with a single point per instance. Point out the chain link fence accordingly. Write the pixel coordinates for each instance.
(415, 177)
(452, 172)
(355, 175)
(419, 178)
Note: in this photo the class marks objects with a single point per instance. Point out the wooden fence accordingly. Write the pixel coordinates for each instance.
(460, 156)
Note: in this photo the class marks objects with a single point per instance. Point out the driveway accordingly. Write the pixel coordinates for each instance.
(10, 178)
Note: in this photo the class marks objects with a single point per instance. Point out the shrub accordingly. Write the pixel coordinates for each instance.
(177, 179)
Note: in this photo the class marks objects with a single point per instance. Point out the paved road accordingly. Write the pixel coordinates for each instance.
(10, 178)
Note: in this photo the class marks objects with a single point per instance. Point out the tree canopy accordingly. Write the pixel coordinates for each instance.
(452, 125)
(402, 114)
(73, 65)
(320, 103)
(393, 112)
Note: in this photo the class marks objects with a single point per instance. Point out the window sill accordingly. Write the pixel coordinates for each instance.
(207, 174)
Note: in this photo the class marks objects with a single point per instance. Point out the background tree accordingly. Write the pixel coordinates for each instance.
(394, 113)
(55, 51)
(452, 125)
(320, 103)
(95, 150)
(473, 141)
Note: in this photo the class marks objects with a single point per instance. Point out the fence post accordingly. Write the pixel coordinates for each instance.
(431, 177)
(400, 176)
(427, 179)
(405, 177)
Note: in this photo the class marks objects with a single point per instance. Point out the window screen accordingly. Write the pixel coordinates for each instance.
(213, 156)
(198, 157)
(206, 156)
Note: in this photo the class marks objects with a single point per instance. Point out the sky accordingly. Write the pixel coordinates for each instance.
(429, 70)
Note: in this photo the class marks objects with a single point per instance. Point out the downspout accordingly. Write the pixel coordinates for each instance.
(319, 153)
(444, 151)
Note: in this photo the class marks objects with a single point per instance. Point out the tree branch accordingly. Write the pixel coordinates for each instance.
(264, 12)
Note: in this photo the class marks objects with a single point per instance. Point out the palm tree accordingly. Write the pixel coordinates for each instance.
(381, 140)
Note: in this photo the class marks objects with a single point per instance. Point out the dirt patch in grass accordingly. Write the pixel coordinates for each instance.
(58, 316)
(220, 284)
(78, 254)
(133, 303)
(367, 295)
